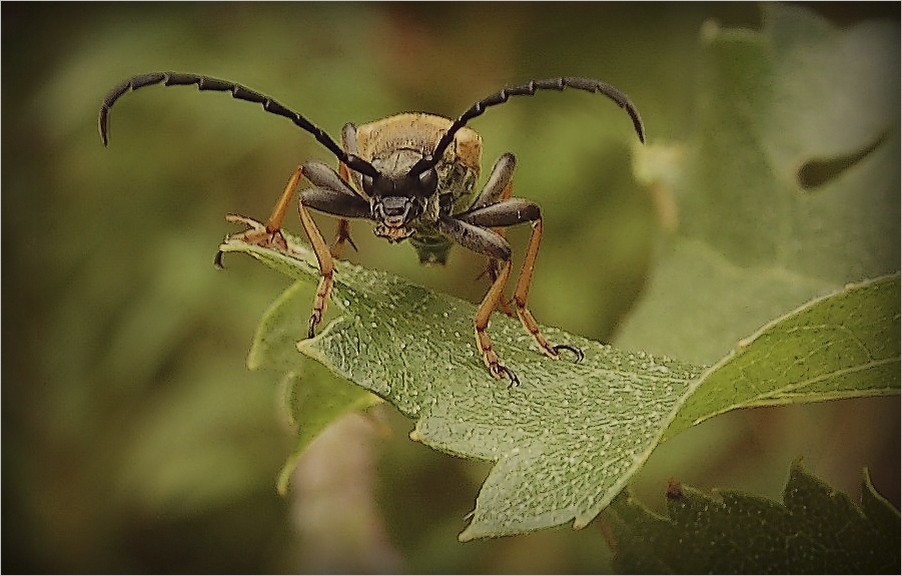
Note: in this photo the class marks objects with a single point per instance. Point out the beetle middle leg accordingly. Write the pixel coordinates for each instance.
(343, 230)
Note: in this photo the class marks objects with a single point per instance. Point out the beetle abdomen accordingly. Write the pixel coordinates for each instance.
(431, 248)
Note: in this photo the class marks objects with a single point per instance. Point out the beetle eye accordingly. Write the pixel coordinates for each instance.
(427, 181)
(367, 184)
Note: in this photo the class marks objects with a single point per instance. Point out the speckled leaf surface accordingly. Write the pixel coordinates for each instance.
(565, 441)
(570, 436)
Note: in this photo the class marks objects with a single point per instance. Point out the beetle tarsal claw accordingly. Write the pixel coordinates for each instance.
(502, 371)
(311, 325)
(576, 351)
(257, 234)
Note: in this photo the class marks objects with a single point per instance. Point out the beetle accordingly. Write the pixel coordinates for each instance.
(415, 176)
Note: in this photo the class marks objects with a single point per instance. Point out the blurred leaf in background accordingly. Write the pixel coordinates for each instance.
(787, 188)
(134, 439)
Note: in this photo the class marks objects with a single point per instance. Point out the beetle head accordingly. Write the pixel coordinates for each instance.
(399, 192)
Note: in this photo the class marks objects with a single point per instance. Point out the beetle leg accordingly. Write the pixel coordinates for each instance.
(498, 187)
(492, 270)
(343, 232)
(487, 242)
(326, 268)
(521, 293)
(342, 235)
(268, 235)
(343, 229)
(507, 213)
(331, 195)
(481, 324)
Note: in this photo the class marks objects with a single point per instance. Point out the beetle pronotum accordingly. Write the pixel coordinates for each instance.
(415, 176)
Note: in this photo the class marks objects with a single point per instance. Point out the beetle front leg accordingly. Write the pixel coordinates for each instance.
(498, 186)
(326, 268)
(268, 235)
(507, 213)
(334, 196)
(488, 243)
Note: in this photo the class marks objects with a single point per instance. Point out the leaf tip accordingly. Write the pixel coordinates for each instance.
(467, 535)
(284, 480)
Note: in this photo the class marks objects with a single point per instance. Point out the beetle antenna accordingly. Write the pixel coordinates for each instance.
(238, 91)
(528, 89)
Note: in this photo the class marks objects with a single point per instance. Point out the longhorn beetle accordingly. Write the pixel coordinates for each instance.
(414, 175)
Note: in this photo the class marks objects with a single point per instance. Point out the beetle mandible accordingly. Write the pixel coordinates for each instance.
(414, 175)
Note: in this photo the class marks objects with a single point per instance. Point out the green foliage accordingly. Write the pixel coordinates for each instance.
(313, 397)
(841, 346)
(815, 530)
(571, 436)
(135, 441)
(568, 439)
(752, 235)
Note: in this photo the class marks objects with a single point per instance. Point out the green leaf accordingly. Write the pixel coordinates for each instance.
(814, 531)
(787, 189)
(568, 439)
(312, 396)
(841, 346)
(565, 441)
(765, 221)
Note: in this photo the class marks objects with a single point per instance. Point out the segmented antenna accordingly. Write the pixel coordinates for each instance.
(529, 89)
(241, 93)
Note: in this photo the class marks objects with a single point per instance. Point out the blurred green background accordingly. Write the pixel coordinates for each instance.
(133, 437)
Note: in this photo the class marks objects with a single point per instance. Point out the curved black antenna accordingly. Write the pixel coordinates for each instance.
(238, 91)
(528, 89)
